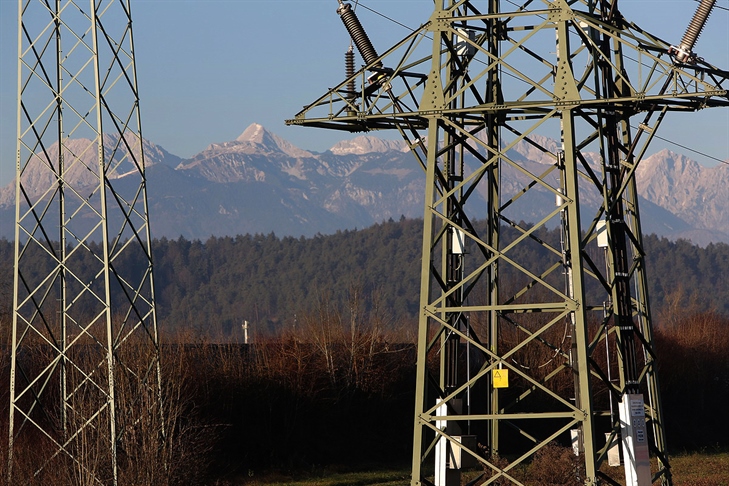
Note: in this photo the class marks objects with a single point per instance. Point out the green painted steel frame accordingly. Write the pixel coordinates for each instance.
(432, 91)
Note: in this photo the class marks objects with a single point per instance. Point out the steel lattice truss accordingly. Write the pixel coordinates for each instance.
(472, 90)
(85, 369)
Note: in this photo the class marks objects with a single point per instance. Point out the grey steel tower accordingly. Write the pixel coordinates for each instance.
(84, 389)
(528, 117)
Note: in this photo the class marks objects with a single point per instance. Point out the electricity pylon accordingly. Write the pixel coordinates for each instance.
(511, 353)
(85, 356)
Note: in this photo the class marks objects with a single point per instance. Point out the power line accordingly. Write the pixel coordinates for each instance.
(385, 16)
(715, 6)
(691, 149)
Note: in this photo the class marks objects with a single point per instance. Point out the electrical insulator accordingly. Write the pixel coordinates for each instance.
(349, 72)
(684, 52)
(358, 34)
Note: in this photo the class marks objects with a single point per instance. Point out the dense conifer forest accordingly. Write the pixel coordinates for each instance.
(268, 280)
(211, 287)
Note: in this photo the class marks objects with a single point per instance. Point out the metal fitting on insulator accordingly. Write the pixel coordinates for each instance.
(358, 34)
(684, 51)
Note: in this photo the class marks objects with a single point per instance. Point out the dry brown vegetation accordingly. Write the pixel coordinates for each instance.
(693, 367)
(338, 389)
(285, 402)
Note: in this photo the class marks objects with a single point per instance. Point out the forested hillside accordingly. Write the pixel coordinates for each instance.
(333, 321)
(213, 286)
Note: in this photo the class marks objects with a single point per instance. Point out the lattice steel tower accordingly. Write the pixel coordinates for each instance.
(84, 389)
(538, 112)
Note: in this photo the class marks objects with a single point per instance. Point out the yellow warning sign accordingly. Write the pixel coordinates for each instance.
(500, 378)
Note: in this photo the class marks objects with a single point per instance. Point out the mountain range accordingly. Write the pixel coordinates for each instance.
(261, 183)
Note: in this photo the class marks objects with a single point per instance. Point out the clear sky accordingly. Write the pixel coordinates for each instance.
(208, 69)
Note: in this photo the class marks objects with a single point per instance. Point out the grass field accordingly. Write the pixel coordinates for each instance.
(701, 470)
(688, 470)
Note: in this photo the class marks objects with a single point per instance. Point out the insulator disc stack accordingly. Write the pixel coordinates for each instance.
(349, 72)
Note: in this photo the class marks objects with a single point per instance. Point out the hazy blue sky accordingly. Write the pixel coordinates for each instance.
(208, 69)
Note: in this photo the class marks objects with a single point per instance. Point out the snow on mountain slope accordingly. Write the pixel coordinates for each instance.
(262, 183)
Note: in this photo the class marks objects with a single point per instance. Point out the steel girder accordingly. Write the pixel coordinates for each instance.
(84, 364)
(481, 91)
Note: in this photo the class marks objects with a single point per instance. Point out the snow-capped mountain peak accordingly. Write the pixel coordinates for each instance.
(666, 160)
(366, 145)
(257, 136)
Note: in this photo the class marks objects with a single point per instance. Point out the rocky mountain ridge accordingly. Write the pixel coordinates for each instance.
(261, 183)
(695, 194)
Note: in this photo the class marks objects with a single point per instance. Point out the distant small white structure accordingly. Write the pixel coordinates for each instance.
(245, 331)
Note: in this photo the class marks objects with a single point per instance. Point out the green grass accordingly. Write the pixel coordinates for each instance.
(695, 469)
(701, 469)
(361, 478)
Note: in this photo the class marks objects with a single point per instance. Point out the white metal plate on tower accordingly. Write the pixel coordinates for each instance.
(634, 437)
